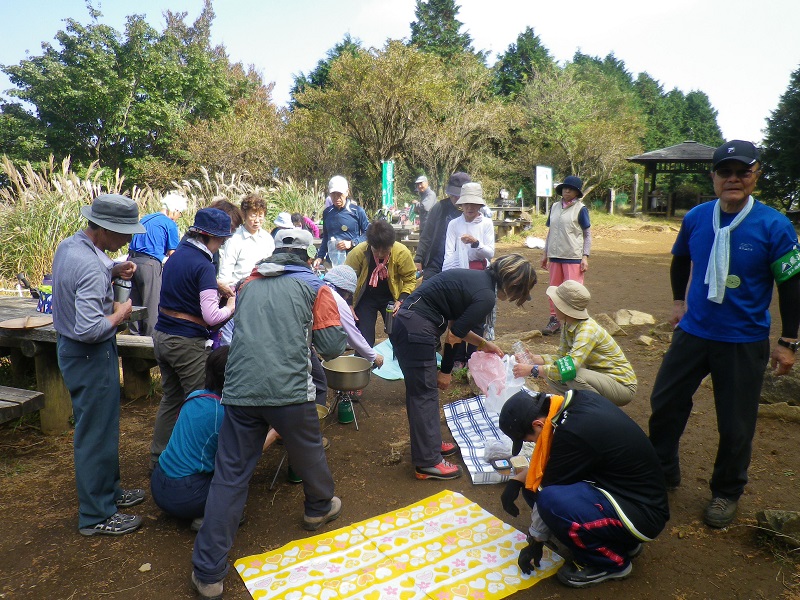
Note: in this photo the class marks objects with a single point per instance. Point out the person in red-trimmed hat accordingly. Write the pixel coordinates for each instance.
(734, 250)
(568, 243)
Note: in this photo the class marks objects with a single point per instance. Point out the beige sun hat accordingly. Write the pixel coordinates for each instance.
(571, 298)
(471, 193)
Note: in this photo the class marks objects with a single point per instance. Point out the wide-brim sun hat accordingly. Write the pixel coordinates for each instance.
(573, 182)
(115, 213)
(571, 298)
(213, 222)
(471, 193)
(284, 221)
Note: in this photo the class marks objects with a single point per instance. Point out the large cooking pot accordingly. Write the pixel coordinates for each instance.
(347, 373)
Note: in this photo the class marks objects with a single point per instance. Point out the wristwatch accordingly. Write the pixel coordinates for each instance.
(793, 346)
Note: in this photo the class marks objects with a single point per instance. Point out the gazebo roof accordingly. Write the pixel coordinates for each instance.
(687, 152)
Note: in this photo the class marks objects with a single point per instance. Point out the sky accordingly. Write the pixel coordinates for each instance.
(741, 54)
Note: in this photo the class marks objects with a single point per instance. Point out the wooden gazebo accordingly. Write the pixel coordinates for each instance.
(688, 157)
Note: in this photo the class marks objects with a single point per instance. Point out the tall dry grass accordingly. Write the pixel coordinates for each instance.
(41, 207)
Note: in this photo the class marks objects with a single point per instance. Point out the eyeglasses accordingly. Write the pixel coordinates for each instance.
(727, 172)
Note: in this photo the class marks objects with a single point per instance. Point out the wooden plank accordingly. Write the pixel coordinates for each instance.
(15, 402)
(135, 346)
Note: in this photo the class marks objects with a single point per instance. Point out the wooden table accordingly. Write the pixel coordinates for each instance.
(508, 219)
(40, 344)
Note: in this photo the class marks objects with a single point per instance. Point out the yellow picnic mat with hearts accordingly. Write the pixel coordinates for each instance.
(443, 547)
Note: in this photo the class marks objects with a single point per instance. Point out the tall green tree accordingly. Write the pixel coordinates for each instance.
(781, 182)
(438, 31)
(375, 98)
(520, 63)
(466, 125)
(118, 97)
(318, 78)
(580, 123)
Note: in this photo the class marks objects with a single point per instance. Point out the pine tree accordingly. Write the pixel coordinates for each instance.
(437, 30)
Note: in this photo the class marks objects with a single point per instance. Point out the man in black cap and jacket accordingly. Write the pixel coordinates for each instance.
(430, 251)
(593, 479)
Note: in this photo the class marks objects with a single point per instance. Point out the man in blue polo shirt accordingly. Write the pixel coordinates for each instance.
(343, 219)
(734, 249)
(149, 250)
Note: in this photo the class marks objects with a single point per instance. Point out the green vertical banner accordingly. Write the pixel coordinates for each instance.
(387, 183)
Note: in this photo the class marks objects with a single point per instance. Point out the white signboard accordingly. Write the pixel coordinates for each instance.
(544, 182)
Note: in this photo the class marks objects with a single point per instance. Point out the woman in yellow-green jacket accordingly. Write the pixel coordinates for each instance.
(386, 273)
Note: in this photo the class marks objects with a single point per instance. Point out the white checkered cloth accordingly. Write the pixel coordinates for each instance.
(471, 426)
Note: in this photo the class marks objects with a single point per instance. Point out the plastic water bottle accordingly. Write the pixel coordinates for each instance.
(521, 353)
(336, 256)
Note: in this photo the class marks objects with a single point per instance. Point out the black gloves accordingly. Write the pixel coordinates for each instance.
(530, 553)
(510, 495)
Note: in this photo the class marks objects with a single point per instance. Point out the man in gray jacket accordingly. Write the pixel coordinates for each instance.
(279, 308)
(86, 317)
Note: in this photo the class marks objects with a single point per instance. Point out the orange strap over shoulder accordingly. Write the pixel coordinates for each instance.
(541, 453)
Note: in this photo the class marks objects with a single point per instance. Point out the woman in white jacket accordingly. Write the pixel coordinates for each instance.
(470, 237)
(470, 245)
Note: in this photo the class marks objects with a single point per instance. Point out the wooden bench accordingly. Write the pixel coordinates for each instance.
(15, 402)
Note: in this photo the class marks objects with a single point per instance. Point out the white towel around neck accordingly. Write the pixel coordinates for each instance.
(719, 259)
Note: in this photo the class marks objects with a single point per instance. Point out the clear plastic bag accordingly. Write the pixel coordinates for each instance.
(497, 449)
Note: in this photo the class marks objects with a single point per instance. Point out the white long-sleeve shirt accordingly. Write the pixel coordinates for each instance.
(457, 254)
(239, 254)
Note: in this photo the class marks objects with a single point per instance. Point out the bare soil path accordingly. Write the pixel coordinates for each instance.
(44, 557)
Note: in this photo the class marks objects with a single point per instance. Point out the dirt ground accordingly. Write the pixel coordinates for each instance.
(43, 556)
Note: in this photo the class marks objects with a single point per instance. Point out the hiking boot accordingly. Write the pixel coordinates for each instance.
(314, 523)
(207, 591)
(574, 575)
(720, 512)
(116, 524)
(130, 498)
(449, 449)
(444, 470)
(552, 327)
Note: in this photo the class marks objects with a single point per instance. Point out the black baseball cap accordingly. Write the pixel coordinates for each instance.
(517, 414)
(740, 150)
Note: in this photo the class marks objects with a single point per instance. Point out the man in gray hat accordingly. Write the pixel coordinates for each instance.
(86, 317)
(430, 251)
(427, 200)
(726, 259)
